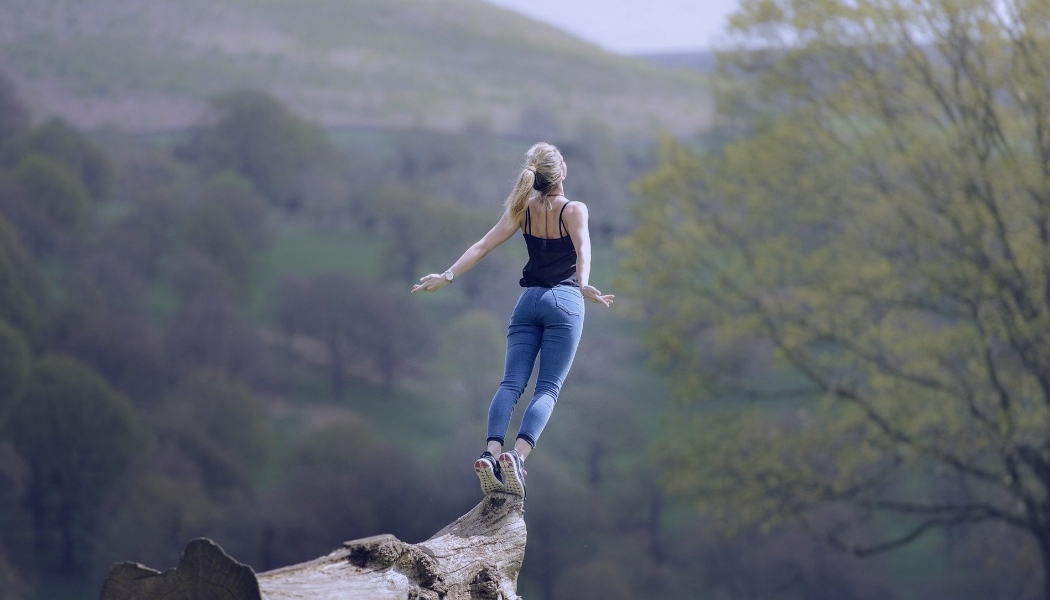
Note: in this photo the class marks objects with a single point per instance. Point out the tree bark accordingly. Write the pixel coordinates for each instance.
(1044, 553)
(477, 556)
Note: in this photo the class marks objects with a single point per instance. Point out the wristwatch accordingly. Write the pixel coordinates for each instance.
(449, 276)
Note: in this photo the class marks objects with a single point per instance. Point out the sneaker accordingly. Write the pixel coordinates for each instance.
(488, 470)
(513, 472)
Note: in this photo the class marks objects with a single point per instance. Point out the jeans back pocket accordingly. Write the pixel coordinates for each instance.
(568, 299)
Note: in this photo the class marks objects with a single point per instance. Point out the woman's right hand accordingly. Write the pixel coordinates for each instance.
(430, 283)
(594, 295)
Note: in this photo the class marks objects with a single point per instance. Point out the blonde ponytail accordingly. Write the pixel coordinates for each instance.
(518, 200)
(544, 168)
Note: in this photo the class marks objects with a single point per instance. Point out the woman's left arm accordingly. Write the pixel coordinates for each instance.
(575, 217)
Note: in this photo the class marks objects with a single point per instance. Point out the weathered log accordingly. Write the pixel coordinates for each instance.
(477, 556)
(205, 572)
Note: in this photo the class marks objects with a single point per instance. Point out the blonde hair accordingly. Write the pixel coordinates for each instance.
(544, 168)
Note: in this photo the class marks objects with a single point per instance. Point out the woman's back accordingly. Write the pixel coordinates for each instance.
(552, 254)
(545, 218)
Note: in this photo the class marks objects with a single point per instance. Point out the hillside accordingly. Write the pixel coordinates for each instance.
(150, 65)
(704, 62)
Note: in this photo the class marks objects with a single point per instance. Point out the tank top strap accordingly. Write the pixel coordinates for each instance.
(562, 230)
(528, 220)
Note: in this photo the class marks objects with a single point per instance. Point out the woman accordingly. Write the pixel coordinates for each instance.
(548, 318)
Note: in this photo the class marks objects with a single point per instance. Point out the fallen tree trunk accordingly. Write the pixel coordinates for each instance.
(477, 556)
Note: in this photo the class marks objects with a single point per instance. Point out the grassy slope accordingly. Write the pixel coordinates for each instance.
(438, 63)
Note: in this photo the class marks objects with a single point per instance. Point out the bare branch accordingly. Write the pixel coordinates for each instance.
(903, 540)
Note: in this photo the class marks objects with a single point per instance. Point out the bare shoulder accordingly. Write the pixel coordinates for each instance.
(575, 210)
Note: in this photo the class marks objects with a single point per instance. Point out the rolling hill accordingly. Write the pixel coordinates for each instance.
(151, 65)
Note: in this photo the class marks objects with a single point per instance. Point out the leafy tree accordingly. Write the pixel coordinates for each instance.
(235, 197)
(206, 332)
(255, 135)
(421, 227)
(219, 424)
(212, 232)
(600, 171)
(117, 344)
(151, 190)
(395, 335)
(15, 519)
(14, 363)
(148, 234)
(45, 201)
(77, 436)
(325, 306)
(472, 354)
(469, 166)
(345, 482)
(199, 477)
(60, 142)
(99, 278)
(22, 292)
(14, 116)
(374, 332)
(154, 516)
(11, 583)
(599, 579)
(875, 256)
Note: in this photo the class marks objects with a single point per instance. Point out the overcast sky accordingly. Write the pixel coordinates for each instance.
(633, 26)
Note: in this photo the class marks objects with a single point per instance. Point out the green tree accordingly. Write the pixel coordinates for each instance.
(161, 509)
(344, 480)
(255, 135)
(14, 116)
(422, 227)
(77, 436)
(22, 292)
(148, 233)
(394, 335)
(206, 332)
(471, 357)
(14, 363)
(219, 424)
(373, 332)
(876, 256)
(11, 584)
(60, 142)
(45, 201)
(121, 347)
(235, 196)
(198, 478)
(211, 231)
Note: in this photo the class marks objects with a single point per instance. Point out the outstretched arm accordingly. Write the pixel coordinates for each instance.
(575, 217)
(500, 232)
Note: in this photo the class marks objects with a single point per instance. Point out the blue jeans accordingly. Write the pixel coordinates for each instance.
(548, 322)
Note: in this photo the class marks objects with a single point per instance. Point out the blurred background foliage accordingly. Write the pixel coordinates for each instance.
(828, 336)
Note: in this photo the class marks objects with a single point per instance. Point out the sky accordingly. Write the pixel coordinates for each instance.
(633, 26)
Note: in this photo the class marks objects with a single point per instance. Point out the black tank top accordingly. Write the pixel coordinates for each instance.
(552, 262)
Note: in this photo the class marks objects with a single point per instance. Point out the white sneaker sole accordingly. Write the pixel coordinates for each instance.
(510, 475)
(487, 477)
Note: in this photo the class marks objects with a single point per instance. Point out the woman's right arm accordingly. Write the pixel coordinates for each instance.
(576, 217)
(500, 232)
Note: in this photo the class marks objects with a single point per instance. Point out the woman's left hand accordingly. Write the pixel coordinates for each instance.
(594, 295)
(430, 283)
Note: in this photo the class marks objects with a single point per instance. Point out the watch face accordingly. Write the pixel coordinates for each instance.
(449, 275)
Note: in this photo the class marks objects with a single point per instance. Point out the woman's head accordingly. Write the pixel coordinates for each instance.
(544, 169)
(545, 162)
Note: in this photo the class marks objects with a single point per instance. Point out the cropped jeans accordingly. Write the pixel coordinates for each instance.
(547, 322)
